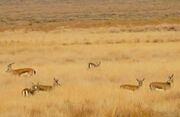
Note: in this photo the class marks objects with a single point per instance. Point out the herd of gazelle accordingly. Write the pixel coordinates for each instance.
(38, 87)
(35, 87)
(153, 85)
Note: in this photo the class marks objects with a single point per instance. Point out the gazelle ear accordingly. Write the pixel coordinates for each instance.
(137, 79)
(170, 77)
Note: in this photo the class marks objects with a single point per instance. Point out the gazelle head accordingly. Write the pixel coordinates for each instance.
(56, 82)
(140, 82)
(170, 79)
(35, 86)
(9, 69)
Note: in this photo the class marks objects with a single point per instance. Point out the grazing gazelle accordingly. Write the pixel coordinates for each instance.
(21, 71)
(90, 65)
(28, 92)
(39, 87)
(133, 87)
(162, 85)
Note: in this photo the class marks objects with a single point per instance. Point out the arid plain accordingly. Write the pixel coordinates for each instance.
(150, 50)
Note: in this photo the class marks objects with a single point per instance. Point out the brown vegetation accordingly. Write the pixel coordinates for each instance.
(48, 15)
(65, 54)
(58, 38)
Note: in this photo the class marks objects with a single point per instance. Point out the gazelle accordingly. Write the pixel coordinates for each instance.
(21, 71)
(90, 65)
(133, 87)
(162, 85)
(39, 87)
(28, 92)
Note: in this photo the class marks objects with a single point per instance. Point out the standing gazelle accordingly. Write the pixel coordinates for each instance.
(28, 92)
(21, 71)
(90, 65)
(162, 85)
(133, 87)
(39, 87)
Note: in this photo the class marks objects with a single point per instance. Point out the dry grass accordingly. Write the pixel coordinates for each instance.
(50, 14)
(132, 39)
(64, 54)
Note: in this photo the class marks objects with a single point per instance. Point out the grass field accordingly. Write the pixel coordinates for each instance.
(65, 53)
(50, 14)
(133, 39)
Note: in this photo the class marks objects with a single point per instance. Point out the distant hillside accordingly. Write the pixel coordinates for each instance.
(108, 12)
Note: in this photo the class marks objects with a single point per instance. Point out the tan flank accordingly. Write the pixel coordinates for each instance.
(133, 87)
(28, 92)
(46, 87)
(21, 71)
(162, 85)
(93, 65)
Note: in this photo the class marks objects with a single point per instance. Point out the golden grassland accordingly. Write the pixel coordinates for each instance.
(65, 53)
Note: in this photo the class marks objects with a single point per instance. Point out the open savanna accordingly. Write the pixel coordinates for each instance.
(50, 14)
(65, 53)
